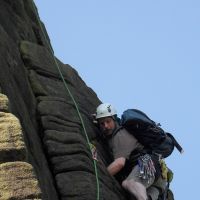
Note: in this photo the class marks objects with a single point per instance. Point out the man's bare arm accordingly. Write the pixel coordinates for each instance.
(116, 165)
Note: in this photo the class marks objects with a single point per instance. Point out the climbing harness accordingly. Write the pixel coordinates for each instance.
(91, 147)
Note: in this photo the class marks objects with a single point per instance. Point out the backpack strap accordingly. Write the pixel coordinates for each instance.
(176, 144)
(117, 130)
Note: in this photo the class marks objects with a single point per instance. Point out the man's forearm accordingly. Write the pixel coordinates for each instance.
(116, 166)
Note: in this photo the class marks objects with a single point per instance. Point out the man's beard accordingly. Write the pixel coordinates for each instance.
(107, 132)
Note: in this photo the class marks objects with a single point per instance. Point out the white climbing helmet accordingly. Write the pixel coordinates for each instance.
(105, 110)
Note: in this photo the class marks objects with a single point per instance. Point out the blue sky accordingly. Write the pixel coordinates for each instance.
(138, 54)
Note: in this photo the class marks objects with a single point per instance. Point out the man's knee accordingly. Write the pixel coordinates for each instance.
(128, 184)
(135, 188)
(153, 193)
(125, 184)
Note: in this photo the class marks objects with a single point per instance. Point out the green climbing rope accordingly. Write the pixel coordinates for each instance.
(71, 96)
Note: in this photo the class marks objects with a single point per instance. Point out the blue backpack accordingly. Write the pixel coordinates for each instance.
(148, 133)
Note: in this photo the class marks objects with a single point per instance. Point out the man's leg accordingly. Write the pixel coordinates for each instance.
(157, 188)
(135, 188)
(136, 185)
(153, 193)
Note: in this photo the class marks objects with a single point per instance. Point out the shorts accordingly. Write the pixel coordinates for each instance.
(135, 175)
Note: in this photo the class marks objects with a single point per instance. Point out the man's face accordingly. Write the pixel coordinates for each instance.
(107, 125)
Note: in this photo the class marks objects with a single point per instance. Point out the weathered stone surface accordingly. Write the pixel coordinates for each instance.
(54, 123)
(11, 139)
(57, 109)
(60, 110)
(42, 61)
(80, 183)
(53, 129)
(14, 82)
(34, 54)
(38, 89)
(67, 151)
(17, 181)
(3, 103)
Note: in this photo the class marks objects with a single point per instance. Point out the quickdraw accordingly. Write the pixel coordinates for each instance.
(146, 167)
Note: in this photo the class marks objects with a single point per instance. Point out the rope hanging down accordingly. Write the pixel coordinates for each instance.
(75, 104)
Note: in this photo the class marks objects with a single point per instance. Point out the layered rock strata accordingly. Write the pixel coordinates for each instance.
(53, 132)
(17, 177)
